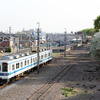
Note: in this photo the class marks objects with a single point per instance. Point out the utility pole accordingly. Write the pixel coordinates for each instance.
(65, 43)
(10, 32)
(47, 41)
(82, 39)
(76, 38)
(38, 44)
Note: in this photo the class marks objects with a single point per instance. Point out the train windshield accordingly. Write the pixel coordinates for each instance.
(4, 67)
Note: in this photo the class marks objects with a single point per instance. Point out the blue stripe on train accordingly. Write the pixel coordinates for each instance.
(7, 74)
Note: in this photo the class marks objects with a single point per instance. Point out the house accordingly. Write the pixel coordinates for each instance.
(60, 38)
(25, 40)
(7, 42)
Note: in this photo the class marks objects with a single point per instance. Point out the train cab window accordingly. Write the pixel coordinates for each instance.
(4, 67)
(21, 64)
(13, 67)
(17, 65)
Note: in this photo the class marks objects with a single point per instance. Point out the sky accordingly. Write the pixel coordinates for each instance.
(53, 15)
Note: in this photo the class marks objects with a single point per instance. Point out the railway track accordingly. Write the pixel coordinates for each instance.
(14, 80)
(18, 78)
(38, 94)
(44, 89)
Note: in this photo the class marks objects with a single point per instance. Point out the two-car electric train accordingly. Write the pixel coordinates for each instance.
(15, 65)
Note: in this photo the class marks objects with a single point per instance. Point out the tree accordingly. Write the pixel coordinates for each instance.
(9, 49)
(88, 31)
(95, 46)
(97, 24)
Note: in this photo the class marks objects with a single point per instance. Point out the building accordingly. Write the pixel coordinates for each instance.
(7, 42)
(60, 37)
(26, 39)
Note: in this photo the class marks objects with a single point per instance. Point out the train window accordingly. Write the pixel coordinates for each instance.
(41, 56)
(17, 65)
(21, 64)
(35, 59)
(0, 67)
(45, 55)
(13, 67)
(48, 54)
(4, 67)
(31, 60)
(25, 62)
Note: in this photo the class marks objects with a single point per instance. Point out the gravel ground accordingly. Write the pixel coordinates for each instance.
(84, 77)
(25, 87)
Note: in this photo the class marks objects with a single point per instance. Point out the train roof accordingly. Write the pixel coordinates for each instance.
(21, 56)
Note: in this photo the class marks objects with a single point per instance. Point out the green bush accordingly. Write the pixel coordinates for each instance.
(9, 49)
(68, 92)
(95, 46)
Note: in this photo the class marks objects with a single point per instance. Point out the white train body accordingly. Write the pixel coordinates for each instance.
(14, 67)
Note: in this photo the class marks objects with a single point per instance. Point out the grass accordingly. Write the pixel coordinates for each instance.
(55, 54)
(68, 92)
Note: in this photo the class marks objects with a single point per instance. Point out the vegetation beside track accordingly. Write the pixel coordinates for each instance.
(55, 54)
(69, 92)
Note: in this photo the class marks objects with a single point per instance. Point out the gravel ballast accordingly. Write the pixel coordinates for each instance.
(84, 76)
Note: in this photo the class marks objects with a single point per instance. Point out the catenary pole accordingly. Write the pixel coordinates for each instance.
(47, 42)
(38, 44)
(65, 43)
(10, 32)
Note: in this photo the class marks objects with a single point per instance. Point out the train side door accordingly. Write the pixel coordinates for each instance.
(13, 69)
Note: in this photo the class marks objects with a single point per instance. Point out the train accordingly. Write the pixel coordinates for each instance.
(16, 65)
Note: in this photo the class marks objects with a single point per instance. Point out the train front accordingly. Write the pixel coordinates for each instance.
(3, 72)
